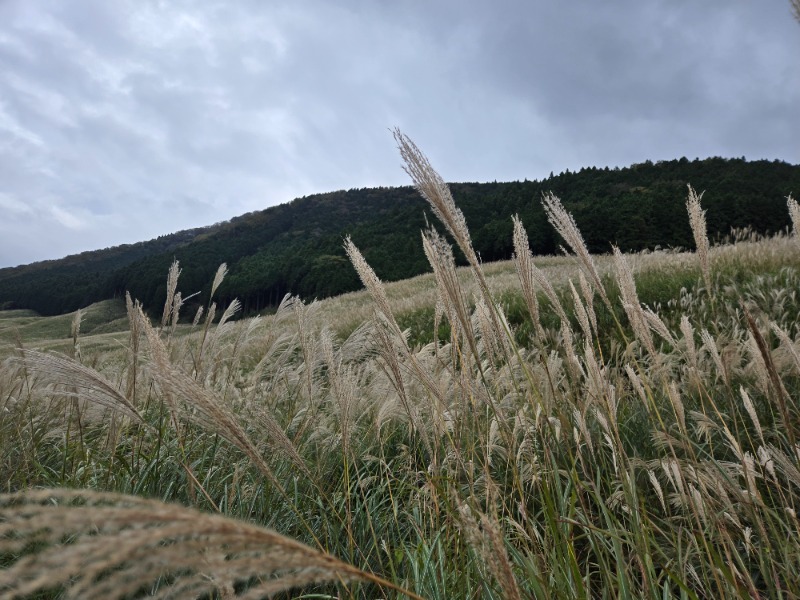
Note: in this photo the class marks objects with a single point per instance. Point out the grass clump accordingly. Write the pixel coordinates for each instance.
(576, 426)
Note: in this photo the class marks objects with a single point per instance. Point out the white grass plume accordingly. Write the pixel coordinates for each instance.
(172, 286)
(80, 381)
(93, 545)
(182, 393)
(794, 214)
(523, 263)
(630, 302)
(222, 270)
(434, 189)
(697, 221)
(440, 257)
(565, 225)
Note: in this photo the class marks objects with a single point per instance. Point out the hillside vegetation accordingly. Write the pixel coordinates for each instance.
(582, 426)
(297, 247)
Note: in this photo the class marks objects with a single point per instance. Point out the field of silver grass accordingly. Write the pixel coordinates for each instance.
(583, 426)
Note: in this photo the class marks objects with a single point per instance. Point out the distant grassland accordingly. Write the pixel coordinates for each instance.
(582, 426)
(105, 327)
(99, 323)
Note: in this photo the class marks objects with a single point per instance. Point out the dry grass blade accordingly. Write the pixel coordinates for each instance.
(372, 283)
(205, 410)
(697, 221)
(630, 301)
(172, 286)
(781, 394)
(75, 332)
(566, 227)
(218, 277)
(523, 263)
(434, 189)
(90, 545)
(794, 212)
(440, 257)
(85, 383)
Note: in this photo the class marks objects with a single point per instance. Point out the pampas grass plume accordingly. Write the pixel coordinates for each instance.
(95, 545)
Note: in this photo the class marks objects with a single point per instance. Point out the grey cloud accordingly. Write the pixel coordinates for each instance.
(120, 121)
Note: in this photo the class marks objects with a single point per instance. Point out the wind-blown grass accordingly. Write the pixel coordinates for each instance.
(574, 426)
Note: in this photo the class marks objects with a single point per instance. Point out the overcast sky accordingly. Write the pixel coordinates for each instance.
(127, 119)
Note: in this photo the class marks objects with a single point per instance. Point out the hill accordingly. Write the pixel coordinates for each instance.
(297, 247)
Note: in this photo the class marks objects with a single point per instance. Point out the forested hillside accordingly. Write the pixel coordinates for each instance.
(297, 247)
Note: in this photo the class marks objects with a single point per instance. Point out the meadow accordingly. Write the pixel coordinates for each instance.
(579, 426)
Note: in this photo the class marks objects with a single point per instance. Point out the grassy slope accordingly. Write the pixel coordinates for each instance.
(101, 325)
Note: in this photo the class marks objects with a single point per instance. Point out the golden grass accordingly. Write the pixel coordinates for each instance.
(109, 546)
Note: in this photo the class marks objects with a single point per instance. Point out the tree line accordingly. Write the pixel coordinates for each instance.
(297, 247)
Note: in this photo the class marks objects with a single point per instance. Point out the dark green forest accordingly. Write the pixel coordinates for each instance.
(297, 247)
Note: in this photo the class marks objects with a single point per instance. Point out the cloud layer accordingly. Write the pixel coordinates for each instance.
(121, 121)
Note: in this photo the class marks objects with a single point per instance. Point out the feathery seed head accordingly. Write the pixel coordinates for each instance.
(121, 545)
(172, 286)
(434, 189)
(565, 225)
(218, 277)
(794, 214)
(697, 221)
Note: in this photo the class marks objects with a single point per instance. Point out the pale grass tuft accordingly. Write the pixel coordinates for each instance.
(75, 332)
(580, 312)
(440, 257)
(434, 189)
(656, 323)
(565, 225)
(751, 411)
(484, 536)
(710, 345)
(794, 214)
(530, 276)
(588, 296)
(185, 395)
(371, 282)
(94, 545)
(523, 263)
(177, 303)
(781, 395)
(688, 337)
(787, 342)
(580, 424)
(630, 302)
(79, 381)
(222, 270)
(765, 460)
(172, 286)
(132, 310)
(697, 221)
(677, 404)
(637, 384)
(657, 487)
(231, 310)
